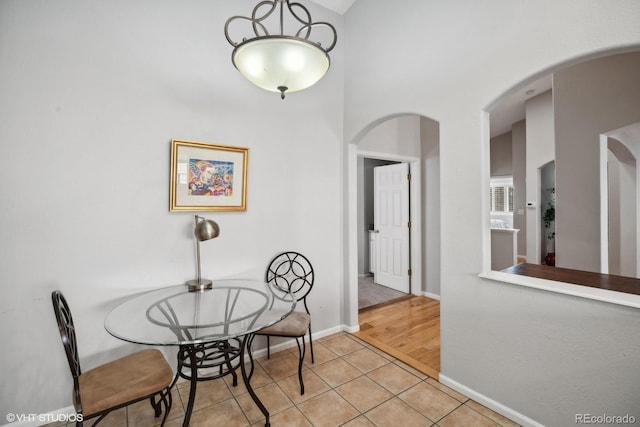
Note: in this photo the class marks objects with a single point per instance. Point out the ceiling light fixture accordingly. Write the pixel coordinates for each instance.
(280, 62)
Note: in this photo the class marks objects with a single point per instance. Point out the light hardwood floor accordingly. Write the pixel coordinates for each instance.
(407, 329)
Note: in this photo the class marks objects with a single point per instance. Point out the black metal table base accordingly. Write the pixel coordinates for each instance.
(204, 362)
(247, 340)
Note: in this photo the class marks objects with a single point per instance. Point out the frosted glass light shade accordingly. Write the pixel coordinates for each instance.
(277, 62)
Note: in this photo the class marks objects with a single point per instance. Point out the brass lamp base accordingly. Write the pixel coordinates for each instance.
(196, 285)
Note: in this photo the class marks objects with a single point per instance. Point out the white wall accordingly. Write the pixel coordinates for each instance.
(519, 140)
(540, 151)
(625, 143)
(431, 240)
(622, 216)
(501, 155)
(589, 99)
(92, 93)
(503, 248)
(541, 356)
(398, 136)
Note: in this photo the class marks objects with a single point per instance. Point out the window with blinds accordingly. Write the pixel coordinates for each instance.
(501, 196)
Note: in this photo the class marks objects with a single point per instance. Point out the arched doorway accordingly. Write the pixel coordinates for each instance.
(407, 138)
(619, 201)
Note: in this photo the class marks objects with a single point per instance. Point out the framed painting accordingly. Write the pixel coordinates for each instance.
(208, 177)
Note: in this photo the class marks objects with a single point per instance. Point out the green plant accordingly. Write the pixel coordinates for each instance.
(549, 215)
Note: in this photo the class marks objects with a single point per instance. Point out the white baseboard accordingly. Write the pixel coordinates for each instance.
(289, 343)
(498, 407)
(430, 295)
(351, 329)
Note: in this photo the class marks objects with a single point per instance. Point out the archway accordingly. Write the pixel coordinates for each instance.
(619, 200)
(413, 139)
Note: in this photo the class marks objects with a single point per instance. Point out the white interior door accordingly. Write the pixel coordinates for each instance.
(391, 218)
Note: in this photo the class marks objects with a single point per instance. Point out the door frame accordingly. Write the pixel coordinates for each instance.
(415, 213)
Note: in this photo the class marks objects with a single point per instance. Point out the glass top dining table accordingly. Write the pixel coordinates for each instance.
(231, 311)
(176, 316)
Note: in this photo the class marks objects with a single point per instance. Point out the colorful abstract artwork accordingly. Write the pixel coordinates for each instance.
(210, 178)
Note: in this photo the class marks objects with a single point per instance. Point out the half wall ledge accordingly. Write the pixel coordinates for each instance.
(601, 287)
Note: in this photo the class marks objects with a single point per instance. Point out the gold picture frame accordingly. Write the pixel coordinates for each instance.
(208, 177)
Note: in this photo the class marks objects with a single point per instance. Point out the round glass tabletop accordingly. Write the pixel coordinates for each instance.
(176, 316)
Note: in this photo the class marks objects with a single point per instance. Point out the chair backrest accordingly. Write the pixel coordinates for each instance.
(67, 333)
(290, 272)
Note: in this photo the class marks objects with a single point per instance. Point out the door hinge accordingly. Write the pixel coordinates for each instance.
(409, 224)
(410, 272)
(409, 176)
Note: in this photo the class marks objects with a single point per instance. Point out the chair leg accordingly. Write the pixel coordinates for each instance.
(157, 408)
(302, 350)
(268, 347)
(167, 399)
(164, 397)
(310, 344)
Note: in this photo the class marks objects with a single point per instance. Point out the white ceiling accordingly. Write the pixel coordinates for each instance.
(338, 6)
(509, 110)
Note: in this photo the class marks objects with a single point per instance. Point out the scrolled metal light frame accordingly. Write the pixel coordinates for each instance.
(261, 32)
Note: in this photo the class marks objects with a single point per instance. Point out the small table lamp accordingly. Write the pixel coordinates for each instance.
(205, 229)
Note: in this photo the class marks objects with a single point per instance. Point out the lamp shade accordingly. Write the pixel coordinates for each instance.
(281, 63)
(206, 230)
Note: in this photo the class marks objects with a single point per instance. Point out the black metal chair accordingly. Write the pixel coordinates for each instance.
(142, 375)
(291, 273)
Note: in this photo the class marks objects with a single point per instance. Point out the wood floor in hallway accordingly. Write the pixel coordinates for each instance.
(408, 329)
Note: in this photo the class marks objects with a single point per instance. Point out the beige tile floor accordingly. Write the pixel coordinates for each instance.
(351, 384)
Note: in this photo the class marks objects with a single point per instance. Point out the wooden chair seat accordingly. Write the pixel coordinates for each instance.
(142, 375)
(122, 381)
